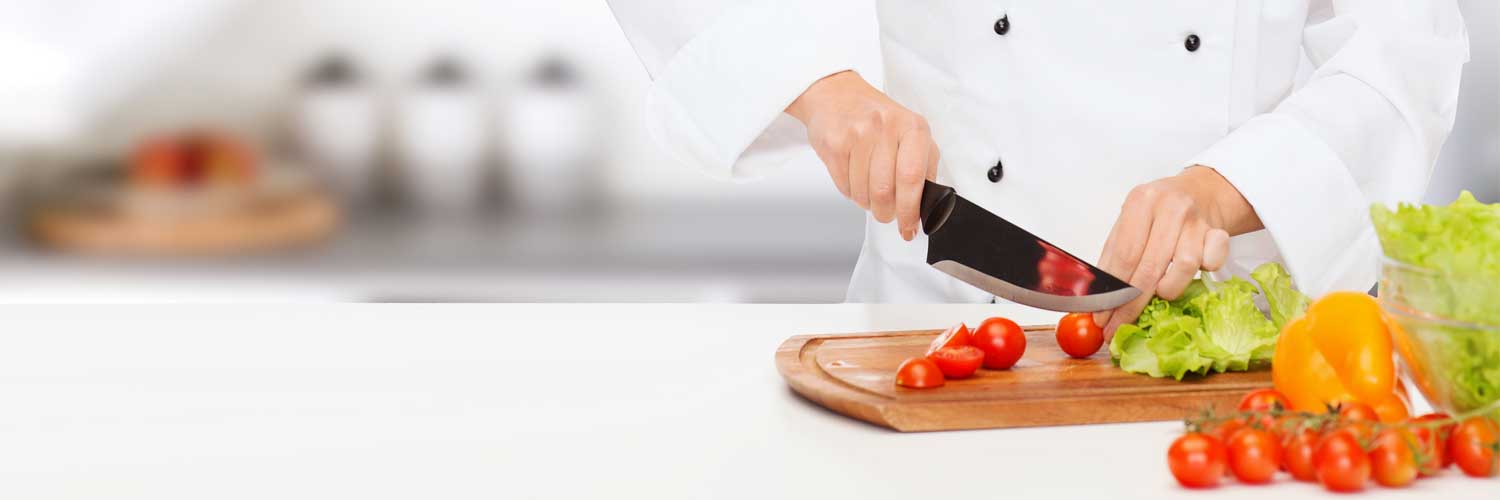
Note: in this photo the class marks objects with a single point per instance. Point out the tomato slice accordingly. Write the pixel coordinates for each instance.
(919, 373)
(958, 362)
(954, 336)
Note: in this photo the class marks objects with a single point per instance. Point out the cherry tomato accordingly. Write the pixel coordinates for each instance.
(1433, 442)
(954, 336)
(919, 373)
(1226, 429)
(1361, 431)
(157, 162)
(1474, 446)
(1340, 463)
(958, 362)
(1197, 460)
(1002, 341)
(1254, 455)
(1297, 455)
(1357, 412)
(1078, 336)
(1392, 461)
(1264, 400)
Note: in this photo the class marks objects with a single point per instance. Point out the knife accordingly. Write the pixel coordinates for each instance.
(982, 249)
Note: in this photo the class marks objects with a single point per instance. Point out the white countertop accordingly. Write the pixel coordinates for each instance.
(512, 401)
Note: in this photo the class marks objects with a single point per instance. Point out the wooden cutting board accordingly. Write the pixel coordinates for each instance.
(855, 375)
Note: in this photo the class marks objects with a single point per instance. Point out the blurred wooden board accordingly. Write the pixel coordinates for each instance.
(855, 375)
(186, 223)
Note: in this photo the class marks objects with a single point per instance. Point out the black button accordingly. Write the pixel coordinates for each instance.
(997, 171)
(1002, 26)
(1192, 43)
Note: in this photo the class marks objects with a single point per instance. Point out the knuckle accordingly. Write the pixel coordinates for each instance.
(883, 191)
(1188, 260)
(920, 123)
(910, 174)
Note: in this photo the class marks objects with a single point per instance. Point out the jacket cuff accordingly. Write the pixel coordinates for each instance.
(726, 89)
(1302, 192)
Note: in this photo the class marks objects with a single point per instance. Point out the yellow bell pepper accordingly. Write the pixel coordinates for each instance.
(1339, 351)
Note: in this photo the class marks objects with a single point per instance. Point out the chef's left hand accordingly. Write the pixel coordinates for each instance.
(1169, 229)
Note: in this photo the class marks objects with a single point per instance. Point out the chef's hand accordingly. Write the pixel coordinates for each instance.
(1169, 229)
(877, 151)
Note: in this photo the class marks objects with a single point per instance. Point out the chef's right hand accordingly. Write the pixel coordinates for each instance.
(877, 151)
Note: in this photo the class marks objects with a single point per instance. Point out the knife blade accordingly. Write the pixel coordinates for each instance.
(986, 251)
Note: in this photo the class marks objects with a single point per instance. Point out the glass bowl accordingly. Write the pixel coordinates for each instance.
(1446, 330)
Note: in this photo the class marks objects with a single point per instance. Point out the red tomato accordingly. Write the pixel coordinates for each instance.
(158, 162)
(1226, 429)
(1264, 400)
(1355, 412)
(1002, 341)
(1474, 446)
(1254, 455)
(1197, 460)
(919, 373)
(958, 362)
(1362, 431)
(1297, 455)
(1078, 336)
(1340, 463)
(1433, 441)
(954, 336)
(1391, 459)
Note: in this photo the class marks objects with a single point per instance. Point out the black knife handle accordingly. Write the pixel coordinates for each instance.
(937, 205)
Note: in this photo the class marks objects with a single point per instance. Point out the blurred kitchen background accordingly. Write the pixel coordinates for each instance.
(385, 150)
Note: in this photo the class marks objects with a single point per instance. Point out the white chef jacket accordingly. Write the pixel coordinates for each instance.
(1047, 112)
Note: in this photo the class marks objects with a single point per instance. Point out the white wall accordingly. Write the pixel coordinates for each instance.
(242, 71)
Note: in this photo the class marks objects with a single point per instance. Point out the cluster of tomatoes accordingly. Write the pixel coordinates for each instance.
(997, 344)
(1342, 449)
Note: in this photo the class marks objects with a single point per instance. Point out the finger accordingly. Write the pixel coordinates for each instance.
(1215, 249)
(1126, 313)
(859, 173)
(883, 178)
(1126, 242)
(1185, 262)
(1166, 228)
(912, 155)
(934, 156)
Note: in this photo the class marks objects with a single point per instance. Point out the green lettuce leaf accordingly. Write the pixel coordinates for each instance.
(1212, 327)
(1130, 351)
(1176, 349)
(1234, 331)
(1286, 303)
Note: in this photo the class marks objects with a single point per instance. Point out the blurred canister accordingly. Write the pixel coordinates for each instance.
(337, 127)
(440, 139)
(548, 138)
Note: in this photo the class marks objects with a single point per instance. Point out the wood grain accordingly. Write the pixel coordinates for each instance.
(854, 374)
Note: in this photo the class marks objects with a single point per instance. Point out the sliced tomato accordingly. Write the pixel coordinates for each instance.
(919, 373)
(958, 362)
(954, 336)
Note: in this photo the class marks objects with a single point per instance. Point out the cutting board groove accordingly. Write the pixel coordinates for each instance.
(854, 374)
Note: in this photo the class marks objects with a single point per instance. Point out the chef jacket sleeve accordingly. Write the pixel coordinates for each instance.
(1365, 128)
(723, 71)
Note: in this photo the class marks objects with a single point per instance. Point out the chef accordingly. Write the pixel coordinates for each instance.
(1164, 136)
